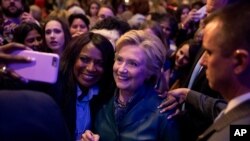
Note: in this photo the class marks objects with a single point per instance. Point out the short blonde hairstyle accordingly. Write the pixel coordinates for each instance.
(152, 46)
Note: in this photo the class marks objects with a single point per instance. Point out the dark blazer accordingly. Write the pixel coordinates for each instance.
(142, 122)
(208, 106)
(66, 98)
(30, 116)
(195, 121)
(220, 129)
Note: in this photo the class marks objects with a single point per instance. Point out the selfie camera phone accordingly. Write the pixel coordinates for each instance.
(202, 12)
(44, 68)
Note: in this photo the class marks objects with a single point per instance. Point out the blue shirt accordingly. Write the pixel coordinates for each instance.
(83, 117)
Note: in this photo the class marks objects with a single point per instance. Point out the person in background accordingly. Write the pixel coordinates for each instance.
(169, 26)
(13, 13)
(157, 6)
(155, 28)
(182, 12)
(70, 3)
(105, 12)
(177, 67)
(92, 12)
(75, 9)
(197, 4)
(119, 7)
(56, 35)
(36, 12)
(188, 23)
(16, 11)
(78, 24)
(111, 28)
(140, 10)
(58, 13)
(29, 34)
(132, 113)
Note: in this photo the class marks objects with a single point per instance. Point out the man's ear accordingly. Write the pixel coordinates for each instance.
(241, 60)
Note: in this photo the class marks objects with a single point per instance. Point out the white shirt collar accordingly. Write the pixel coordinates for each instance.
(237, 101)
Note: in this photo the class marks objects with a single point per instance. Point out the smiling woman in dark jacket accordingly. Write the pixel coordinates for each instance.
(132, 114)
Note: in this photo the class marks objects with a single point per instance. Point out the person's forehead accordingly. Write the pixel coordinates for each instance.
(212, 27)
(54, 23)
(211, 34)
(105, 10)
(94, 5)
(185, 47)
(135, 52)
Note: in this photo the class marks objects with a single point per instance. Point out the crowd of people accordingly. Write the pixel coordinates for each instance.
(136, 70)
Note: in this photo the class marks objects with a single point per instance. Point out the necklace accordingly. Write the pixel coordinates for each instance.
(122, 104)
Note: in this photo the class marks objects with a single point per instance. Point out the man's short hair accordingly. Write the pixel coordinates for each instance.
(235, 29)
(112, 23)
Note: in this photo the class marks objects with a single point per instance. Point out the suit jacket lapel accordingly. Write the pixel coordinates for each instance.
(198, 56)
(225, 120)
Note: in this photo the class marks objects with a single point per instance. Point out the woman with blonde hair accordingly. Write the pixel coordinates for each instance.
(132, 113)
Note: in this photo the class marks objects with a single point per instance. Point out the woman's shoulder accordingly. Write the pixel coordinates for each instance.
(152, 101)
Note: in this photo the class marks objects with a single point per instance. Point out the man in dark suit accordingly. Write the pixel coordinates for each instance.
(227, 63)
(194, 120)
(30, 116)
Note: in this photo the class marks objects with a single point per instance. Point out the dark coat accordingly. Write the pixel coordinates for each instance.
(142, 122)
(220, 129)
(208, 106)
(66, 98)
(195, 121)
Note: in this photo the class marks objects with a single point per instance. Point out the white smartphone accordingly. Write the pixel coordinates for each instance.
(44, 68)
(202, 12)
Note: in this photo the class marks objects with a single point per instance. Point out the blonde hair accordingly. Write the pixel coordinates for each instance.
(59, 13)
(152, 46)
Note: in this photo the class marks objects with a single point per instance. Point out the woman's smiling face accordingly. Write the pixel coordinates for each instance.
(129, 70)
(88, 68)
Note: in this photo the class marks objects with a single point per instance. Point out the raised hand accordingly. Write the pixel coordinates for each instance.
(7, 58)
(173, 99)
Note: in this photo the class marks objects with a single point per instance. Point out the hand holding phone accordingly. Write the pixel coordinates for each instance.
(202, 12)
(44, 66)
